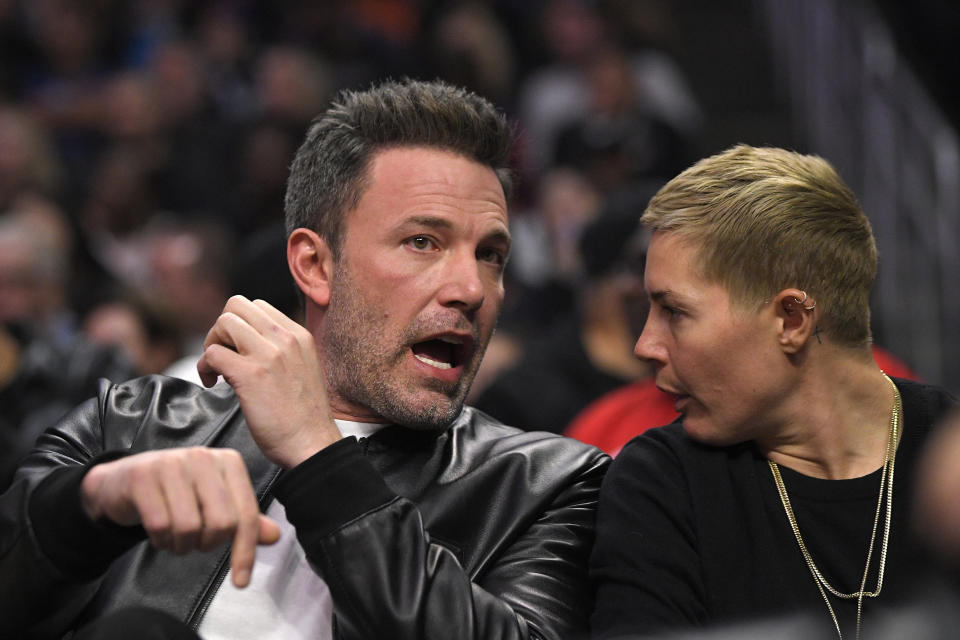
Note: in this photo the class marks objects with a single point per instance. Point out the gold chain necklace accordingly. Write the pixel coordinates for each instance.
(886, 489)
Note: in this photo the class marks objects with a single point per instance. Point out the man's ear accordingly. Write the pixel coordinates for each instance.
(797, 316)
(311, 264)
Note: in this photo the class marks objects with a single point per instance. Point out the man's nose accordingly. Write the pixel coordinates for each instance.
(462, 283)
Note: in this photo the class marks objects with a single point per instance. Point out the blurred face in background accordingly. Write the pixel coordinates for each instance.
(31, 273)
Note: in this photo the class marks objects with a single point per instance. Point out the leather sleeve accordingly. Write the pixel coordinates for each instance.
(51, 553)
(52, 556)
(388, 578)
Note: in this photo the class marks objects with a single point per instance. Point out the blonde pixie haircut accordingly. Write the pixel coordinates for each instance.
(764, 219)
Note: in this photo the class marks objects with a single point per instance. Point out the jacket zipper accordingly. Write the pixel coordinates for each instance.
(222, 566)
(221, 573)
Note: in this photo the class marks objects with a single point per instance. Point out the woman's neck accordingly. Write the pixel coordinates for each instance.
(838, 421)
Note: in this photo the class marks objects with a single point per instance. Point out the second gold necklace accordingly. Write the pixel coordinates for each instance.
(886, 496)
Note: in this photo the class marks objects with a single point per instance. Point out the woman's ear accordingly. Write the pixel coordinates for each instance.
(797, 316)
(311, 264)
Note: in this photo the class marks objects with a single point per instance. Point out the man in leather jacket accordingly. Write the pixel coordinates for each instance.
(244, 511)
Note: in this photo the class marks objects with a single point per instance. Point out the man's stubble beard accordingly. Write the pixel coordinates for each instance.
(359, 367)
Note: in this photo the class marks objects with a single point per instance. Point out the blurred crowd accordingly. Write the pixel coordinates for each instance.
(144, 147)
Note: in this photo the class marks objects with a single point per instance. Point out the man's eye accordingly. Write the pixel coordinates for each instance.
(421, 243)
(493, 256)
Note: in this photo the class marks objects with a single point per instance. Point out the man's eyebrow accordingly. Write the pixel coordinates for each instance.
(500, 235)
(434, 222)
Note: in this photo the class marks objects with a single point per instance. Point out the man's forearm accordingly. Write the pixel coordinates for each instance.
(54, 554)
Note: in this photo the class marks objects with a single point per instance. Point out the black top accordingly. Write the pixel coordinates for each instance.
(689, 534)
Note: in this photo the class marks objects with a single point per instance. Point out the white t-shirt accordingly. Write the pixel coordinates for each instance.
(286, 599)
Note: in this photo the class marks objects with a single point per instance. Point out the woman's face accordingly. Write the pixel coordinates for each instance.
(723, 363)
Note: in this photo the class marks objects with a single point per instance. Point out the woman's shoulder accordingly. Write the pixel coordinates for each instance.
(669, 450)
(672, 440)
(924, 405)
(926, 401)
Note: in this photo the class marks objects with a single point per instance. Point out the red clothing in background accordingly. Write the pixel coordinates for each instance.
(613, 419)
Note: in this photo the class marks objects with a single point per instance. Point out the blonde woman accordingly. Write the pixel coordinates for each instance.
(784, 486)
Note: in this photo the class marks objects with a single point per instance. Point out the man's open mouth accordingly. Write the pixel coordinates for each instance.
(443, 352)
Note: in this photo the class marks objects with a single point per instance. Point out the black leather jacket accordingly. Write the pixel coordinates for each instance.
(476, 531)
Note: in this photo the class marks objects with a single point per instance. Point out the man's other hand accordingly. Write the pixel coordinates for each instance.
(187, 499)
(271, 362)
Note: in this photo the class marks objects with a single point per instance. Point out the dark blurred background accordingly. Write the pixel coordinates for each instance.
(144, 147)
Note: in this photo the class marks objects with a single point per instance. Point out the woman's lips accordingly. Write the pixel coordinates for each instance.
(680, 401)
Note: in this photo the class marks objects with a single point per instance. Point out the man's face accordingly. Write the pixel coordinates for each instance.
(416, 290)
(722, 362)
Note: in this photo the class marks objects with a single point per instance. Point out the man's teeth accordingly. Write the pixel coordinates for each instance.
(432, 362)
(450, 340)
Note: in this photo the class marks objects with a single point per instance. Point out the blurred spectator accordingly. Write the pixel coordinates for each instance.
(130, 110)
(226, 53)
(937, 512)
(291, 86)
(470, 47)
(544, 271)
(547, 236)
(28, 163)
(193, 175)
(147, 25)
(181, 90)
(129, 125)
(616, 141)
(256, 200)
(34, 259)
(381, 35)
(188, 272)
(147, 334)
(574, 32)
(46, 367)
(62, 84)
(117, 205)
(42, 380)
